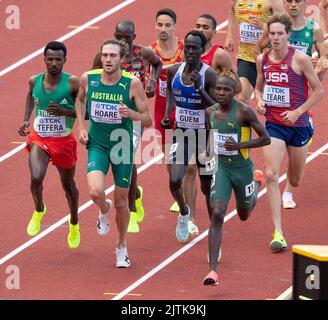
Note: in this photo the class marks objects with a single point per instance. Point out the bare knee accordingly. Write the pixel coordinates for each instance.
(70, 188)
(36, 181)
(175, 183)
(218, 212)
(271, 176)
(95, 193)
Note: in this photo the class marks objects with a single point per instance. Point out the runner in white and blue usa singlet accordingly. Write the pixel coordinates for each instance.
(190, 109)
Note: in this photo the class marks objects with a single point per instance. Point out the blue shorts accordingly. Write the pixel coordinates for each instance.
(293, 136)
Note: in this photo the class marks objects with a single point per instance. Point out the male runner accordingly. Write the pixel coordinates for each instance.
(138, 60)
(169, 48)
(282, 95)
(231, 122)
(251, 16)
(115, 99)
(52, 94)
(187, 87)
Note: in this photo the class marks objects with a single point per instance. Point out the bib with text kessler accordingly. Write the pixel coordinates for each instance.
(249, 34)
(220, 139)
(162, 88)
(102, 112)
(276, 96)
(50, 126)
(189, 119)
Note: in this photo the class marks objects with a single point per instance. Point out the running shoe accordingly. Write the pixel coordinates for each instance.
(74, 237)
(103, 223)
(278, 243)
(140, 212)
(193, 229)
(122, 258)
(259, 176)
(34, 225)
(211, 279)
(133, 226)
(219, 256)
(182, 231)
(287, 201)
(175, 207)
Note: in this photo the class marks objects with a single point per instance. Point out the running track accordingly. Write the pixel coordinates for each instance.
(49, 270)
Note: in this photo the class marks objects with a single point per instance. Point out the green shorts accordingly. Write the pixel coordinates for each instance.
(99, 159)
(240, 180)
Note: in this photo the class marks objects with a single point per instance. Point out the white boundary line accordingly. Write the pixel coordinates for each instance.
(199, 238)
(69, 35)
(64, 219)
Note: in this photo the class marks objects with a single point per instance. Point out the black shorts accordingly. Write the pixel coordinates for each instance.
(186, 148)
(247, 70)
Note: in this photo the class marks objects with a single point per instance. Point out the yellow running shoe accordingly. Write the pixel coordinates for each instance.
(74, 237)
(175, 207)
(133, 224)
(34, 225)
(278, 243)
(139, 208)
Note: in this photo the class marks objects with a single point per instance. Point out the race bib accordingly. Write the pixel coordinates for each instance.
(103, 112)
(301, 46)
(50, 126)
(276, 96)
(162, 88)
(249, 189)
(249, 34)
(189, 119)
(219, 141)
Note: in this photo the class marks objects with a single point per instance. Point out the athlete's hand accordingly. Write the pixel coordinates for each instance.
(290, 116)
(150, 89)
(124, 110)
(54, 110)
(260, 107)
(322, 65)
(165, 123)
(231, 144)
(256, 22)
(23, 129)
(229, 44)
(195, 77)
(83, 136)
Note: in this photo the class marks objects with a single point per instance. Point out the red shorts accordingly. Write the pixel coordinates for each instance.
(62, 151)
(160, 107)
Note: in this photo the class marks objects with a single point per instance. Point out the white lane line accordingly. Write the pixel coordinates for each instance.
(188, 246)
(64, 219)
(69, 35)
(286, 295)
(12, 152)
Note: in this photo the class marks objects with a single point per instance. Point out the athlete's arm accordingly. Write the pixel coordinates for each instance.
(232, 26)
(29, 106)
(80, 107)
(137, 94)
(171, 71)
(156, 66)
(302, 64)
(277, 6)
(55, 110)
(248, 118)
(318, 39)
(258, 92)
(221, 61)
(208, 92)
(97, 61)
(322, 7)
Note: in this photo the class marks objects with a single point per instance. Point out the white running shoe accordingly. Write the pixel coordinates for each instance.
(122, 258)
(193, 229)
(287, 201)
(103, 223)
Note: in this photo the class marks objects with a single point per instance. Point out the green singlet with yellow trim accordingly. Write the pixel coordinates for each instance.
(110, 136)
(234, 169)
(46, 125)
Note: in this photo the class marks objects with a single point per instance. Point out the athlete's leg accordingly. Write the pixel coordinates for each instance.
(122, 214)
(273, 155)
(190, 190)
(96, 184)
(296, 164)
(176, 175)
(247, 90)
(72, 194)
(38, 164)
(133, 190)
